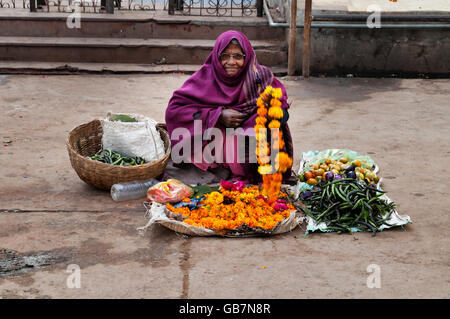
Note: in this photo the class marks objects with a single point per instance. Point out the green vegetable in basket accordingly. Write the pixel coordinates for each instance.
(115, 158)
(123, 118)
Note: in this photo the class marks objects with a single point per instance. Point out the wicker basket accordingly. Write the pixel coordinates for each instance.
(86, 140)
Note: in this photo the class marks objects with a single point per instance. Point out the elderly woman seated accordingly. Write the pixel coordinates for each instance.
(219, 100)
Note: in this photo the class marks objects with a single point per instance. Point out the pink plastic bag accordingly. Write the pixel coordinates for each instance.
(171, 191)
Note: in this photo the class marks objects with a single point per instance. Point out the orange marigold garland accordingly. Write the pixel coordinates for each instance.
(270, 111)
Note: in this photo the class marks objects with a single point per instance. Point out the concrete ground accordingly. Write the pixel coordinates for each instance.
(49, 218)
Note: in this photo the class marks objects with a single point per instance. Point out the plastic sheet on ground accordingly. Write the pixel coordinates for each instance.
(334, 154)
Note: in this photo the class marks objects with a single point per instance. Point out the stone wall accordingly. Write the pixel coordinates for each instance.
(366, 51)
(377, 51)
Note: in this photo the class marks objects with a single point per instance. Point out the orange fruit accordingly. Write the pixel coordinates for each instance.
(343, 160)
(319, 172)
(357, 163)
(311, 181)
(308, 175)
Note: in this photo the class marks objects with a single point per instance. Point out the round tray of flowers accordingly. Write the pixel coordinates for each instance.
(235, 210)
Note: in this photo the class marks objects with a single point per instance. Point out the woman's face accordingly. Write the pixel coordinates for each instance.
(232, 59)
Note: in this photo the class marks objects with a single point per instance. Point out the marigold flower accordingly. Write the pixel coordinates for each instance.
(266, 97)
(262, 151)
(273, 195)
(277, 93)
(277, 178)
(261, 136)
(262, 160)
(260, 102)
(276, 112)
(274, 124)
(265, 169)
(276, 103)
(262, 111)
(268, 90)
(277, 136)
(214, 198)
(277, 144)
(259, 127)
(282, 162)
(262, 148)
(262, 143)
(261, 120)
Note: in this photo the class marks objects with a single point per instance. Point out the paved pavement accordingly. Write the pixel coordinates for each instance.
(50, 219)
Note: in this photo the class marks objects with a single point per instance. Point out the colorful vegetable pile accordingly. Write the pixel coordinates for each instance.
(347, 205)
(327, 170)
(114, 158)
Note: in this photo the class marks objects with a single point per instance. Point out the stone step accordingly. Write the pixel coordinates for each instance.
(143, 25)
(126, 50)
(61, 68)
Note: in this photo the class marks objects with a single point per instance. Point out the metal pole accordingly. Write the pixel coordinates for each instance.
(307, 39)
(259, 8)
(292, 36)
(32, 5)
(180, 5)
(172, 4)
(109, 6)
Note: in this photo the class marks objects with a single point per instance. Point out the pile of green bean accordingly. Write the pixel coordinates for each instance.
(347, 204)
(115, 158)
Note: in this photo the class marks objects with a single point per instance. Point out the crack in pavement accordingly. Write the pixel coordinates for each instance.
(185, 265)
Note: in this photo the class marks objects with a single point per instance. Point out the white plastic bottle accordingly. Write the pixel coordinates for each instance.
(131, 190)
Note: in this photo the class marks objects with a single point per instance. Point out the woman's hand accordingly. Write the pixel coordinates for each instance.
(231, 118)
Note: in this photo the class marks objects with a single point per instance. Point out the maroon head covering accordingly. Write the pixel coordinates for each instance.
(210, 89)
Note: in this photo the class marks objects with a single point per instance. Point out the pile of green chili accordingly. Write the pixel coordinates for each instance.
(348, 204)
(115, 158)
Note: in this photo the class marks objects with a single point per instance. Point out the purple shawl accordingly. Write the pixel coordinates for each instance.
(210, 89)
